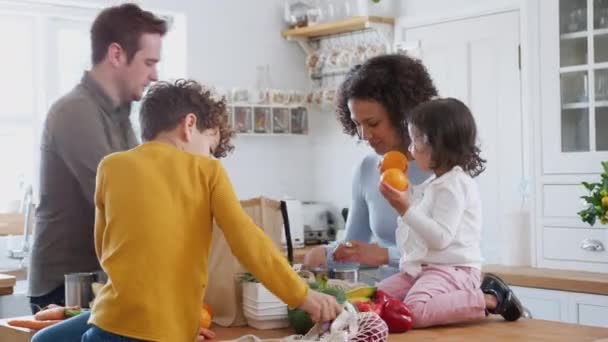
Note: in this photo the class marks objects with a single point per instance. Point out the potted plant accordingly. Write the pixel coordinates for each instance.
(596, 200)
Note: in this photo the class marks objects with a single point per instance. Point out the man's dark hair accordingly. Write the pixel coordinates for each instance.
(166, 104)
(123, 25)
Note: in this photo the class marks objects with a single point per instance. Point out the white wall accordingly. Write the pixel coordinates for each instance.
(336, 155)
(226, 41)
(424, 10)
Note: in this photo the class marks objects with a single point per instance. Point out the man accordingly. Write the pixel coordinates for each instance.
(82, 127)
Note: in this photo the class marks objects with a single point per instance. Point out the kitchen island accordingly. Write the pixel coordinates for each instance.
(491, 329)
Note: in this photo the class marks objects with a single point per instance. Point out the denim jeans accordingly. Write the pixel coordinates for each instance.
(94, 334)
(70, 330)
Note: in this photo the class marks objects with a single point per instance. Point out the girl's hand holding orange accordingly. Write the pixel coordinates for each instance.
(398, 198)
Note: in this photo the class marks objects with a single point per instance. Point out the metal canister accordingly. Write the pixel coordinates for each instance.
(350, 275)
(78, 290)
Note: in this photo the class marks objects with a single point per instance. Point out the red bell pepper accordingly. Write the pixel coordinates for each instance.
(395, 313)
(369, 307)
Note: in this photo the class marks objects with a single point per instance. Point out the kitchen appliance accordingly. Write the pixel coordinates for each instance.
(321, 223)
(296, 225)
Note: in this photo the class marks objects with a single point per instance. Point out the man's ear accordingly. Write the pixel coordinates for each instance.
(116, 54)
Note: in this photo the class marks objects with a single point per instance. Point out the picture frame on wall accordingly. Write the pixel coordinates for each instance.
(243, 119)
(299, 120)
(280, 120)
(261, 120)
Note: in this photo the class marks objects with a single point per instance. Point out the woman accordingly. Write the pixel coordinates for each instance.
(374, 102)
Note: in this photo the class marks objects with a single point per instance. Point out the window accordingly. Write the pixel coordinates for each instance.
(47, 49)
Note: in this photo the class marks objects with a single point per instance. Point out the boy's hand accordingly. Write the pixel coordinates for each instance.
(400, 200)
(321, 307)
(205, 334)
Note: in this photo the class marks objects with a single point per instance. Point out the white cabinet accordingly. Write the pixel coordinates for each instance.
(561, 306)
(544, 304)
(573, 131)
(574, 85)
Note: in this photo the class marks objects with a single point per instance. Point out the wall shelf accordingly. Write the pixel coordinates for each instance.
(336, 27)
(268, 119)
(304, 36)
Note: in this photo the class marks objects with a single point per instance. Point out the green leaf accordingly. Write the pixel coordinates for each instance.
(588, 186)
(605, 166)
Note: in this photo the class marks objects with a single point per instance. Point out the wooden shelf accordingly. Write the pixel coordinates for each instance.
(336, 27)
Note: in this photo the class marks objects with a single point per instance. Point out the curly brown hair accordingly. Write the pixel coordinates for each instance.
(450, 130)
(398, 82)
(166, 104)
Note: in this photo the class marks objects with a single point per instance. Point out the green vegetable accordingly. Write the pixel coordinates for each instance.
(299, 320)
(71, 312)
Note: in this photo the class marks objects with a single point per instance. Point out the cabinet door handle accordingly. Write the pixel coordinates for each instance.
(592, 245)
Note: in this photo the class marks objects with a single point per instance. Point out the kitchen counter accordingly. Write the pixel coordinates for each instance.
(543, 278)
(494, 329)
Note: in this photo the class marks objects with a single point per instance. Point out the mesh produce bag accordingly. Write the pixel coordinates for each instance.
(349, 326)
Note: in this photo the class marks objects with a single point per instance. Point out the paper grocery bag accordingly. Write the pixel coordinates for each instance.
(224, 292)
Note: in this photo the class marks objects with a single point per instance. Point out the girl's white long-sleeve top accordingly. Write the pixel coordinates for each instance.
(443, 227)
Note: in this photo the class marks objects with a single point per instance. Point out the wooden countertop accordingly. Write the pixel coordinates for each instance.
(491, 329)
(543, 278)
(573, 281)
(494, 329)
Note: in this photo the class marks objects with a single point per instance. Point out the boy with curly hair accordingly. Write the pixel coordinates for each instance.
(155, 207)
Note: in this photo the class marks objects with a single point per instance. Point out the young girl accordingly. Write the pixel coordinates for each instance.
(439, 234)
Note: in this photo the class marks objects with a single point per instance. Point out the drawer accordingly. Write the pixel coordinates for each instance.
(568, 244)
(595, 315)
(542, 304)
(562, 200)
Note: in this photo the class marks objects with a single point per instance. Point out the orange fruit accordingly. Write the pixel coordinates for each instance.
(395, 178)
(393, 160)
(205, 318)
(208, 308)
(605, 201)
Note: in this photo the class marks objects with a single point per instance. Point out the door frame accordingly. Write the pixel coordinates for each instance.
(529, 39)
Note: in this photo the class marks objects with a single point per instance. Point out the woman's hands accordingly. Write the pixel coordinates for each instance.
(315, 257)
(364, 253)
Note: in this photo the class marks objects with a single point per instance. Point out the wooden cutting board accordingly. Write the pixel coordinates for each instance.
(7, 283)
(11, 224)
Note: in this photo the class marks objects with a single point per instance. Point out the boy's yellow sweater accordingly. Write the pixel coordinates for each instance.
(155, 206)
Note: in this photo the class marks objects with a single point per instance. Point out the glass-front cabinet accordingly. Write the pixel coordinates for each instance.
(574, 85)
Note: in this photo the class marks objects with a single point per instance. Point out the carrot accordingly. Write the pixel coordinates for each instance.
(31, 324)
(50, 314)
(56, 312)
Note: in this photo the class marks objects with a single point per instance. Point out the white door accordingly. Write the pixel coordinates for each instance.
(477, 61)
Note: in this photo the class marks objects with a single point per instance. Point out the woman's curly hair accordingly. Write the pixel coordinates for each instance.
(166, 104)
(398, 82)
(450, 130)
